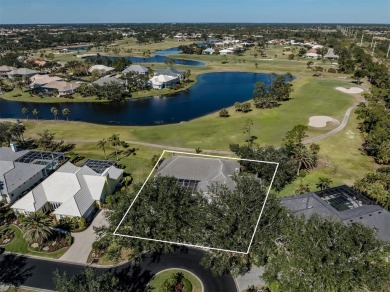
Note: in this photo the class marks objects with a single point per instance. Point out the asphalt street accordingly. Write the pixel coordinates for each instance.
(33, 272)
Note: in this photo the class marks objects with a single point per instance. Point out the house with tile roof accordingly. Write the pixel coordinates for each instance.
(200, 173)
(71, 191)
(4, 70)
(173, 72)
(162, 81)
(137, 69)
(342, 203)
(22, 170)
(22, 72)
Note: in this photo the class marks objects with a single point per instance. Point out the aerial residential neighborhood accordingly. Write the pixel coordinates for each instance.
(194, 147)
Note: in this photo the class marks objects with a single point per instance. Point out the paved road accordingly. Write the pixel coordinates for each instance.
(33, 272)
(334, 131)
(82, 245)
(165, 147)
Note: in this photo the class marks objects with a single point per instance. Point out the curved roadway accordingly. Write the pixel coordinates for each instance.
(36, 272)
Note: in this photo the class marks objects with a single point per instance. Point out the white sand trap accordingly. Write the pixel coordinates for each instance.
(322, 121)
(352, 90)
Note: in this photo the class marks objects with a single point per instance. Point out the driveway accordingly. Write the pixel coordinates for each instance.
(82, 245)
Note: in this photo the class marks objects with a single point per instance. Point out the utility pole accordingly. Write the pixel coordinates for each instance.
(372, 42)
(361, 41)
(388, 51)
(373, 49)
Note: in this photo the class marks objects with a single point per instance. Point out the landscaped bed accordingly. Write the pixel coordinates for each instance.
(176, 279)
(20, 245)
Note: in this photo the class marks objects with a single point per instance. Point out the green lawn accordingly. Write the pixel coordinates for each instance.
(340, 160)
(19, 245)
(159, 279)
(310, 97)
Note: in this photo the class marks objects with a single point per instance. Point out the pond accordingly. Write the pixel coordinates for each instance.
(158, 59)
(212, 92)
(170, 51)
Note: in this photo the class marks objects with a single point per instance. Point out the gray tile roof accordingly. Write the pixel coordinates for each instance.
(21, 173)
(170, 72)
(108, 79)
(136, 69)
(371, 215)
(207, 171)
(6, 154)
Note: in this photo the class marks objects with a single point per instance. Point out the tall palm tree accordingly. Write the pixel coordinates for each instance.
(55, 112)
(37, 227)
(25, 111)
(115, 141)
(66, 113)
(102, 145)
(35, 112)
(303, 158)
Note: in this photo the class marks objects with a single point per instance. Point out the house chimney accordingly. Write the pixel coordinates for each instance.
(13, 147)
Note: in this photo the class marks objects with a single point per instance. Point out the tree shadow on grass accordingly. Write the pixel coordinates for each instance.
(14, 270)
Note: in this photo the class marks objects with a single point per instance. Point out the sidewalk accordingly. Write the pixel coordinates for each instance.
(82, 245)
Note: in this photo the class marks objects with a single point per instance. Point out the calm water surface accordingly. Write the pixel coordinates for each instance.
(212, 92)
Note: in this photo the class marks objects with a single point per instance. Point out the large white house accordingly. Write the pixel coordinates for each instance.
(71, 191)
(162, 81)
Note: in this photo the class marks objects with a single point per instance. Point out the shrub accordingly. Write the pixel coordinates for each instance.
(69, 240)
(224, 113)
(187, 285)
(332, 70)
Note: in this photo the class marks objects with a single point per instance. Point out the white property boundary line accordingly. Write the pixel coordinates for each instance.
(192, 245)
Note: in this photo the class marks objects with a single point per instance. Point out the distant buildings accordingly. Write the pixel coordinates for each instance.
(22, 170)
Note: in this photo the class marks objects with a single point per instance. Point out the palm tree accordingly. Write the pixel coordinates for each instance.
(102, 145)
(323, 183)
(55, 112)
(37, 227)
(115, 141)
(303, 158)
(35, 112)
(25, 111)
(66, 113)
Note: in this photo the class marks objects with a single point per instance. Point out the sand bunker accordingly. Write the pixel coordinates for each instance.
(322, 121)
(352, 90)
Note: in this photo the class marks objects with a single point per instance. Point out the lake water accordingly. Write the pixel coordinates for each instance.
(170, 51)
(159, 59)
(212, 92)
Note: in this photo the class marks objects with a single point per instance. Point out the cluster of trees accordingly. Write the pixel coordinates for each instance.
(115, 141)
(376, 186)
(11, 132)
(208, 220)
(191, 49)
(118, 63)
(293, 156)
(375, 125)
(112, 91)
(36, 37)
(137, 82)
(339, 256)
(278, 91)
